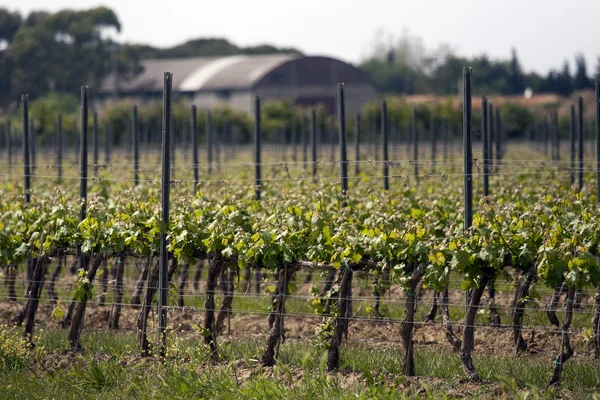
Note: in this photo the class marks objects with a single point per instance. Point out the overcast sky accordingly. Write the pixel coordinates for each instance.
(545, 32)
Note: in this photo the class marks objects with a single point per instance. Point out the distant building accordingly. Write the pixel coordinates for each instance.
(235, 80)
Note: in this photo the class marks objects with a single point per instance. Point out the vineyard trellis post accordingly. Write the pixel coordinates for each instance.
(468, 160)
(485, 145)
(580, 141)
(165, 200)
(26, 161)
(597, 101)
(78, 304)
(59, 147)
(556, 135)
(208, 140)
(313, 142)
(357, 144)
(415, 140)
(342, 134)
(492, 136)
(384, 139)
(83, 166)
(257, 171)
(95, 138)
(498, 140)
(194, 132)
(136, 146)
(433, 143)
(596, 318)
(305, 134)
(573, 139)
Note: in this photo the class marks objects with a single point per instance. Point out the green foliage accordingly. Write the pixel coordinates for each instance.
(14, 350)
(516, 118)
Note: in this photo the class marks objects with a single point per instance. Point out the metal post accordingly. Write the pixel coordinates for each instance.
(580, 140)
(557, 130)
(498, 140)
(163, 284)
(257, 180)
(313, 143)
(468, 150)
(357, 144)
(468, 159)
(83, 166)
(415, 140)
(194, 132)
(384, 137)
(573, 139)
(598, 140)
(59, 147)
(342, 132)
(305, 140)
(433, 144)
(95, 137)
(485, 145)
(208, 140)
(136, 147)
(26, 162)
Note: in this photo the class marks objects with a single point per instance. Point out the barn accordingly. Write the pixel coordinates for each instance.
(236, 80)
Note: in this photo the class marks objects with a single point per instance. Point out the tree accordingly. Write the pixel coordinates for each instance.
(516, 80)
(597, 74)
(9, 24)
(581, 80)
(62, 51)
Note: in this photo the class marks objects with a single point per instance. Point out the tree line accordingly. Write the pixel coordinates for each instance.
(46, 52)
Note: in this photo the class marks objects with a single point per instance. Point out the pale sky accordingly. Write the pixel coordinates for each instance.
(545, 32)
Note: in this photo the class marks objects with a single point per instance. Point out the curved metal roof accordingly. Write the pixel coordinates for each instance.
(202, 73)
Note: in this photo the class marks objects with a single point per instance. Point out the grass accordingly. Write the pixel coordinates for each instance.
(110, 368)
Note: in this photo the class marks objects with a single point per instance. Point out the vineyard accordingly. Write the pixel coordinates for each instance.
(426, 263)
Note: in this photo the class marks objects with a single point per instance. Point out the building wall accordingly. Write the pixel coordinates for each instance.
(356, 96)
(240, 100)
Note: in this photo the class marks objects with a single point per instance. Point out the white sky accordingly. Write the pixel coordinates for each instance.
(545, 32)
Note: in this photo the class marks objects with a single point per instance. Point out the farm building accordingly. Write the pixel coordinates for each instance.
(235, 80)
